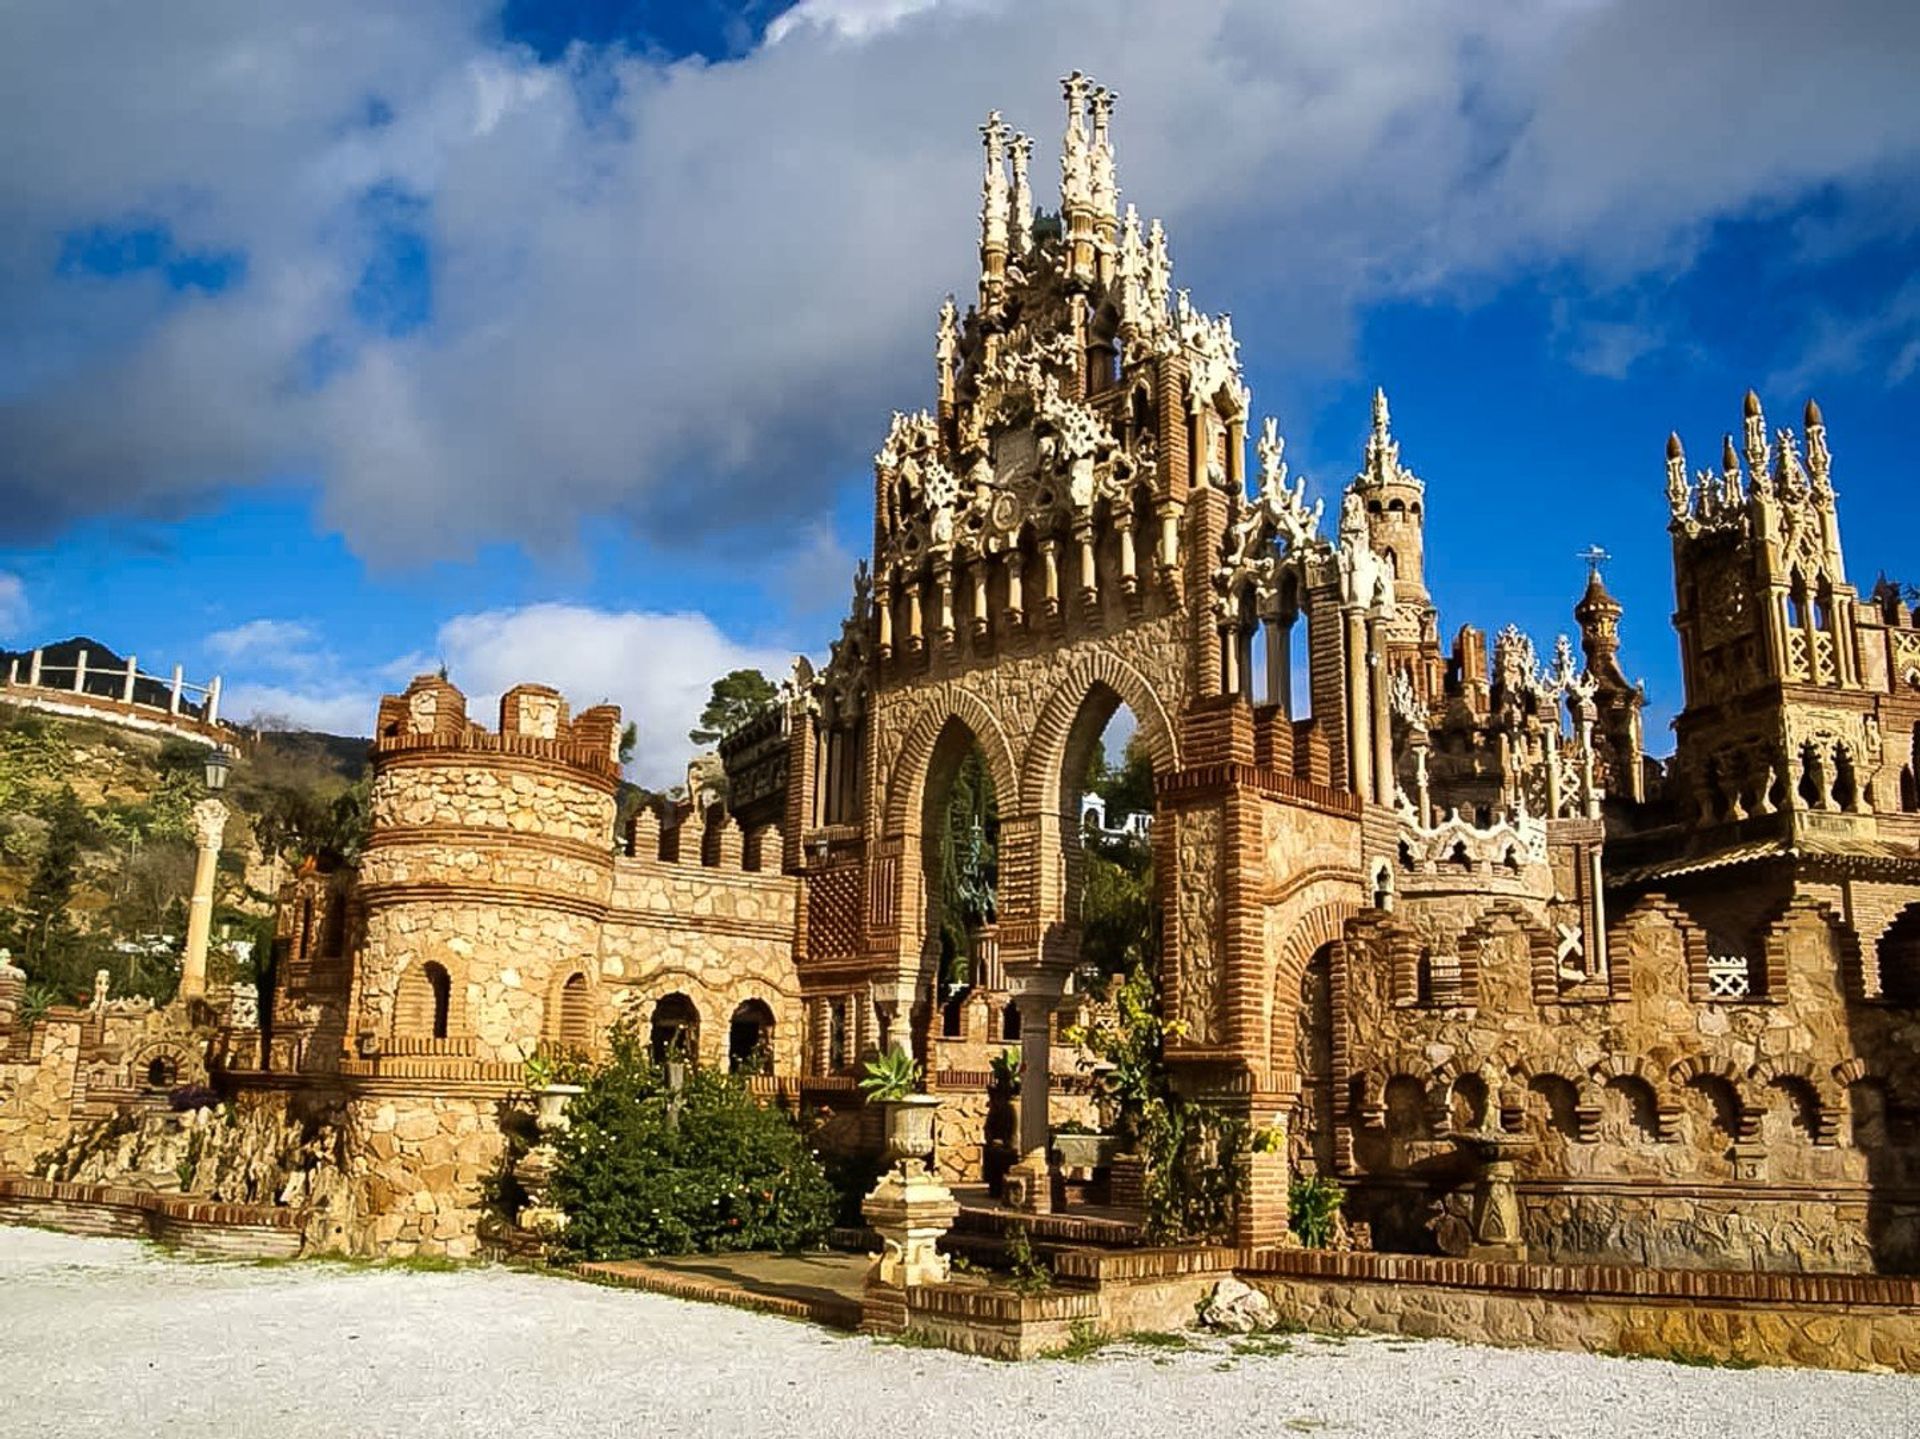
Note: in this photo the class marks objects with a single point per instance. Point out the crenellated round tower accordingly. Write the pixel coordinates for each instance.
(486, 877)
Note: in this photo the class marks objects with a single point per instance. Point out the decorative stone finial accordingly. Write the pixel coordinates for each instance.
(1102, 188)
(1819, 461)
(993, 185)
(1679, 492)
(1075, 181)
(1020, 212)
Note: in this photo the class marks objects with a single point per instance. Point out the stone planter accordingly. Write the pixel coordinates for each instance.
(552, 1102)
(908, 1127)
(1085, 1151)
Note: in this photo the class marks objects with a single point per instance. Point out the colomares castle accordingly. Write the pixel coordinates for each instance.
(1430, 920)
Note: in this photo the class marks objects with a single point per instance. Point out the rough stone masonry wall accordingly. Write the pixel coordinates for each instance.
(416, 1165)
(722, 937)
(37, 1081)
(496, 867)
(1669, 1130)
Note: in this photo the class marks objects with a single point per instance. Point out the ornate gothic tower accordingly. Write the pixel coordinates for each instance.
(1777, 721)
(1395, 500)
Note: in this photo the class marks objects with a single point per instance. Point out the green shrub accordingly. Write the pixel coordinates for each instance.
(1312, 1202)
(642, 1171)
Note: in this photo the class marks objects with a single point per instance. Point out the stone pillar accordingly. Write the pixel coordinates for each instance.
(209, 823)
(213, 701)
(1382, 717)
(179, 679)
(1359, 752)
(80, 672)
(1280, 660)
(33, 669)
(133, 673)
(1260, 1217)
(1030, 1184)
(1016, 600)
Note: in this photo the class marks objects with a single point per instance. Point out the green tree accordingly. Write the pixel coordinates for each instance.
(51, 889)
(738, 698)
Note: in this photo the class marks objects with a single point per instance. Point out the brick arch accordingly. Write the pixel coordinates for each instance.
(564, 1020)
(1696, 1068)
(1325, 924)
(1046, 751)
(187, 1066)
(907, 782)
(1800, 1067)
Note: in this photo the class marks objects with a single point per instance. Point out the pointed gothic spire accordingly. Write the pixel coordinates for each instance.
(1679, 492)
(1075, 179)
(1759, 455)
(993, 185)
(1383, 454)
(1819, 461)
(946, 348)
(1020, 216)
(1159, 271)
(1730, 473)
(1102, 188)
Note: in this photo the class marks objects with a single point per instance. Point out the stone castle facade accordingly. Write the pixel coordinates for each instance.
(1431, 911)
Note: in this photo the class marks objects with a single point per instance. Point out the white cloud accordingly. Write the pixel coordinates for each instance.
(269, 644)
(13, 604)
(344, 710)
(659, 668)
(850, 19)
(688, 294)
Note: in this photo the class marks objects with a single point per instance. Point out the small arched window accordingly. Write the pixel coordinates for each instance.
(441, 985)
(574, 1028)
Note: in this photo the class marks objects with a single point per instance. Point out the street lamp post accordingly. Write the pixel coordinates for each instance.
(209, 823)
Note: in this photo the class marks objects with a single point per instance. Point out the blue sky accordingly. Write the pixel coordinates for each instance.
(553, 340)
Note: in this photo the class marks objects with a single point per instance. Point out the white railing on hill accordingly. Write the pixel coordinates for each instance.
(185, 701)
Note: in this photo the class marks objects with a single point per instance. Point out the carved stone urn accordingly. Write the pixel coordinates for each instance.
(551, 1105)
(1495, 1216)
(908, 1127)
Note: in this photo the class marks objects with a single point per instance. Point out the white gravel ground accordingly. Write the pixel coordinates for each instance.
(112, 1337)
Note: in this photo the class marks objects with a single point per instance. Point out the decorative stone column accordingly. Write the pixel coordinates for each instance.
(1030, 1181)
(909, 1208)
(209, 824)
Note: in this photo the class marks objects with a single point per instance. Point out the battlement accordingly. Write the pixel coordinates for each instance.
(431, 715)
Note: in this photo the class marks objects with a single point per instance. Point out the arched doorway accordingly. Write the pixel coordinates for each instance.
(750, 1039)
(1106, 826)
(960, 866)
(675, 1029)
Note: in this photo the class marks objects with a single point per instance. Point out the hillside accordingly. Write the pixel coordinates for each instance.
(96, 858)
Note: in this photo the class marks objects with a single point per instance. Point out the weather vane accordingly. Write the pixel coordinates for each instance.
(1594, 556)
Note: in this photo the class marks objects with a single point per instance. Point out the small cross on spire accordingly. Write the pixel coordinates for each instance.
(1595, 557)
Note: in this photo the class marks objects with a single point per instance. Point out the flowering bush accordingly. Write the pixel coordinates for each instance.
(643, 1170)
